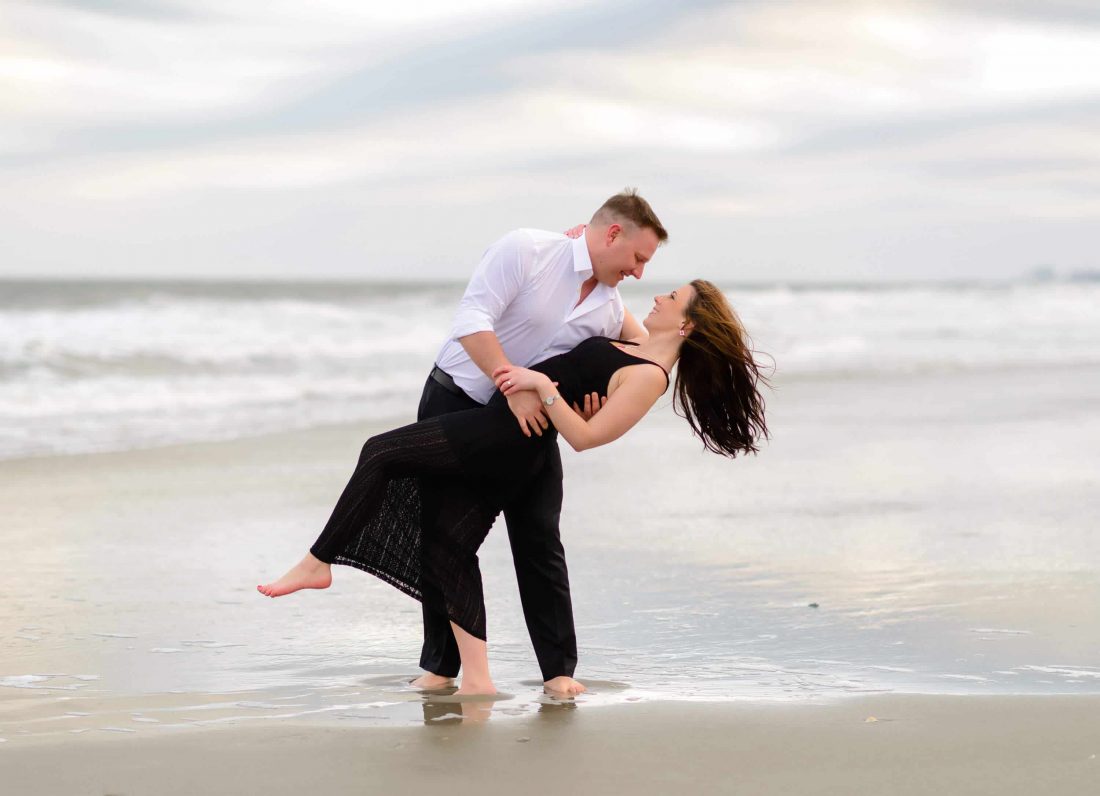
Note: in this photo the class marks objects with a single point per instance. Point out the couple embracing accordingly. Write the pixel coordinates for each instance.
(541, 346)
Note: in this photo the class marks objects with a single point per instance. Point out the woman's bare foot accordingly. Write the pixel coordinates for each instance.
(475, 664)
(430, 680)
(471, 687)
(309, 573)
(564, 686)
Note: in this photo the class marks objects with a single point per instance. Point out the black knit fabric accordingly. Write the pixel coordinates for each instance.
(378, 526)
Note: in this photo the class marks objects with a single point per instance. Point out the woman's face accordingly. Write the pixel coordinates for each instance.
(669, 309)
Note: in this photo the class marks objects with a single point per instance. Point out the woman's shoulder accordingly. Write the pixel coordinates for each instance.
(646, 376)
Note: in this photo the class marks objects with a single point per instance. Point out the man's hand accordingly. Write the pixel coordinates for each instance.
(527, 407)
(575, 232)
(592, 404)
(509, 379)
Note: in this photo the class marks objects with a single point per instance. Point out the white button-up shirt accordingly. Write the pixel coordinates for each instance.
(524, 289)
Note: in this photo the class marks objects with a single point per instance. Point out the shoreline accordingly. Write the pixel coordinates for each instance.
(367, 427)
(799, 382)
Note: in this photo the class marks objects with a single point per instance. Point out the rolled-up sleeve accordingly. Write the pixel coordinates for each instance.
(497, 280)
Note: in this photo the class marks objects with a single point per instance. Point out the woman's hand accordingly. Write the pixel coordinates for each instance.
(509, 379)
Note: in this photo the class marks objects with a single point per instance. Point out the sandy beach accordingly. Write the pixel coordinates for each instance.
(914, 745)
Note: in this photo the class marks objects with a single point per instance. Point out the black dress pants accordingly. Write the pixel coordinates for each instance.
(537, 552)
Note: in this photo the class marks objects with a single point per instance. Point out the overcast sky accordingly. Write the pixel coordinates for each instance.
(776, 140)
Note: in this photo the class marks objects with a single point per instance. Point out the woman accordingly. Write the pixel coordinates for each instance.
(376, 524)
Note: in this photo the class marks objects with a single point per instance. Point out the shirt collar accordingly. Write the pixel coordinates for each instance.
(582, 267)
(582, 263)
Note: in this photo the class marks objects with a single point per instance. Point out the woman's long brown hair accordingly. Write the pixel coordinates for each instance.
(717, 378)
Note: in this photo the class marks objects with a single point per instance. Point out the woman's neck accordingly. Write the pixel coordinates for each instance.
(661, 347)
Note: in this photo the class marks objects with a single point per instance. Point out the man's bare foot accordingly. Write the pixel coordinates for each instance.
(430, 680)
(475, 687)
(564, 686)
(309, 573)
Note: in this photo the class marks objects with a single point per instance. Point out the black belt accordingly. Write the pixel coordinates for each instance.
(444, 380)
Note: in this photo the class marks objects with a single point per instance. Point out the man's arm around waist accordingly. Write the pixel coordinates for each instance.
(485, 351)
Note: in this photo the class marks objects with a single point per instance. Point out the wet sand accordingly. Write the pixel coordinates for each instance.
(917, 745)
(962, 570)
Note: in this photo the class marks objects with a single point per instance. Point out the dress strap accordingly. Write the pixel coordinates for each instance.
(668, 378)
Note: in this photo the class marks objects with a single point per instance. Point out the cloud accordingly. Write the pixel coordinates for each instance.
(812, 130)
(137, 9)
(284, 67)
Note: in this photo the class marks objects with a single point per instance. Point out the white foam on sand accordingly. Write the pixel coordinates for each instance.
(22, 680)
(973, 677)
(1067, 671)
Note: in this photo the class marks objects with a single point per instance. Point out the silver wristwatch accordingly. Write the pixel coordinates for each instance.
(550, 401)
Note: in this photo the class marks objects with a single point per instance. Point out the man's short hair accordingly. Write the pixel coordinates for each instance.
(629, 209)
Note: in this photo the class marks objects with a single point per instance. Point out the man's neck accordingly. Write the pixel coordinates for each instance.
(587, 286)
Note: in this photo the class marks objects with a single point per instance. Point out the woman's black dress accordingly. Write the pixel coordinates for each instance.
(378, 524)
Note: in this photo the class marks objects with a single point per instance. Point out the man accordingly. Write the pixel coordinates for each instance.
(534, 294)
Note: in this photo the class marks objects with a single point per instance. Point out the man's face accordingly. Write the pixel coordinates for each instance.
(623, 253)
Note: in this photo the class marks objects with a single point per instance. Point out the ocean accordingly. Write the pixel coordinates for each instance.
(98, 366)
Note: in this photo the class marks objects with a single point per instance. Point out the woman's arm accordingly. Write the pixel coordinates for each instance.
(637, 392)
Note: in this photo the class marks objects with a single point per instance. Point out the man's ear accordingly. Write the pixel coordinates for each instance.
(614, 231)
